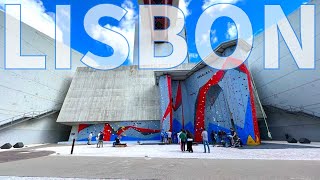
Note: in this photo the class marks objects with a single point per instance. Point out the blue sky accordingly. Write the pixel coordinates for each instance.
(42, 17)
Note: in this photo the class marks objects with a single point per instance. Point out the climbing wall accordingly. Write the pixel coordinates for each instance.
(129, 131)
(210, 99)
(166, 103)
(237, 92)
(217, 114)
(178, 116)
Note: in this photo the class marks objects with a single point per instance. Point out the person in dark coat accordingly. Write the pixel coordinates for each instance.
(213, 137)
(183, 140)
(189, 141)
(234, 136)
(219, 139)
(100, 143)
(117, 141)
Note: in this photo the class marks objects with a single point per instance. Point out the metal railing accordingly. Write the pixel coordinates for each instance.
(27, 115)
(261, 107)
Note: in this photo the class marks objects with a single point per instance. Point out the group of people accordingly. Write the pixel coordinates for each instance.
(99, 138)
(223, 139)
(185, 137)
(166, 137)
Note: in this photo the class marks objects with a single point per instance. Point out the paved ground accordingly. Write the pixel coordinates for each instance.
(43, 162)
(266, 151)
(8, 156)
(160, 168)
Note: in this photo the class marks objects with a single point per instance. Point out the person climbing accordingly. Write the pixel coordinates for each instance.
(189, 141)
(183, 139)
(204, 135)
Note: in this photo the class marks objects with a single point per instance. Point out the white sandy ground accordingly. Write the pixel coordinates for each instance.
(271, 151)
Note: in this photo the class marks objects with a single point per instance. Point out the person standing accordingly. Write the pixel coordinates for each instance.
(100, 143)
(165, 137)
(219, 137)
(97, 138)
(178, 136)
(162, 136)
(169, 134)
(90, 138)
(233, 136)
(204, 135)
(175, 139)
(213, 137)
(225, 140)
(189, 141)
(183, 139)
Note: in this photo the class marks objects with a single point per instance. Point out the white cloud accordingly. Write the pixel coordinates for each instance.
(33, 13)
(205, 39)
(183, 5)
(214, 37)
(193, 55)
(63, 16)
(232, 28)
(232, 31)
(126, 28)
(208, 3)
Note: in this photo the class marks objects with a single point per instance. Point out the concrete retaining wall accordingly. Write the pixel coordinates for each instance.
(45, 130)
(298, 125)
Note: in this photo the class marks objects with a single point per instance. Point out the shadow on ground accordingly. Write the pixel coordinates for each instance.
(279, 146)
(8, 156)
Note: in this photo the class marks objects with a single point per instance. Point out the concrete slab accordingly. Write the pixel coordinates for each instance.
(158, 168)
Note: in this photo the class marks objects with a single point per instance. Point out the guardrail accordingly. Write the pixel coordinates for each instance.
(32, 114)
(260, 105)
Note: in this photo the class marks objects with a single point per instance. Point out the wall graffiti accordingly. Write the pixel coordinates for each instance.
(129, 131)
